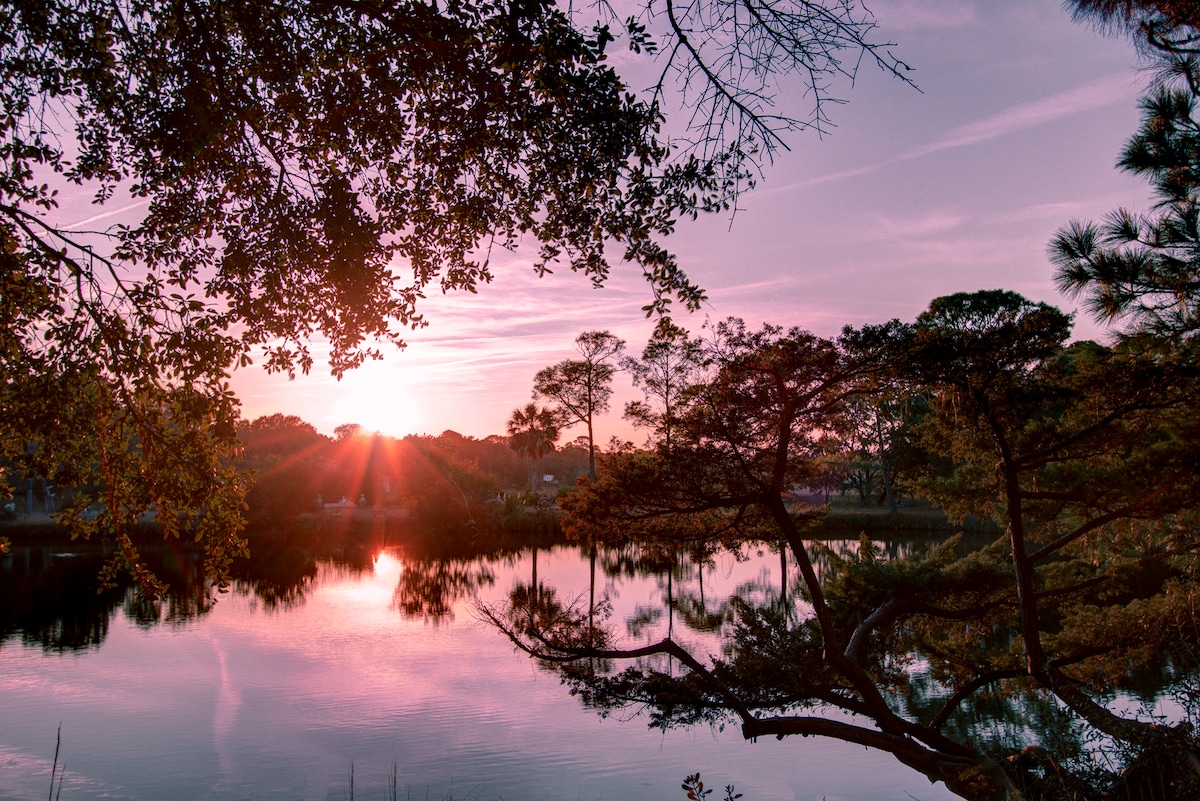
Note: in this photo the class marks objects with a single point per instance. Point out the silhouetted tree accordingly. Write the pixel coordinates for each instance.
(347, 431)
(581, 388)
(670, 362)
(1143, 270)
(1167, 29)
(267, 165)
(1084, 455)
(532, 433)
(290, 461)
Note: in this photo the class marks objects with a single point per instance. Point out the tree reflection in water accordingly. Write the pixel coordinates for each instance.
(51, 596)
(429, 590)
(756, 626)
(760, 638)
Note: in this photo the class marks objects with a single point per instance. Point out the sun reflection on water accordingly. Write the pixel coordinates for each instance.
(369, 590)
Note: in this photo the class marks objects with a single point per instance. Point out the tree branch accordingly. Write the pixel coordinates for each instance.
(1118, 514)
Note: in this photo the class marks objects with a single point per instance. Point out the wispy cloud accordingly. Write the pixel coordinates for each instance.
(750, 287)
(1022, 117)
(1097, 94)
(110, 213)
(828, 177)
(928, 225)
(1089, 206)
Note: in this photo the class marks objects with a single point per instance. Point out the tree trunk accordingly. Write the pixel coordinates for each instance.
(591, 452)
(883, 461)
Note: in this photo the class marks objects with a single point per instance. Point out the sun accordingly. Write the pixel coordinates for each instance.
(379, 400)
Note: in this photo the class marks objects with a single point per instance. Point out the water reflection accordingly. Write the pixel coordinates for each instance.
(361, 649)
(768, 642)
(50, 596)
(283, 570)
(430, 590)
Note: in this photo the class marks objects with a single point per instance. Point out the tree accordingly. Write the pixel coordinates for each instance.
(442, 486)
(1144, 269)
(347, 431)
(290, 462)
(137, 449)
(878, 419)
(581, 388)
(532, 433)
(569, 461)
(278, 171)
(1160, 27)
(746, 436)
(670, 363)
(1084, 455)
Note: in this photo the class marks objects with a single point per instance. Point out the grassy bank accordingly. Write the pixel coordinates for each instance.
(851, 520)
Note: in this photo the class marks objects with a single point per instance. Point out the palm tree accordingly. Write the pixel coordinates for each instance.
(532, 433)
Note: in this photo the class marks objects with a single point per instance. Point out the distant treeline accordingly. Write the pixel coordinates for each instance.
(444, 481)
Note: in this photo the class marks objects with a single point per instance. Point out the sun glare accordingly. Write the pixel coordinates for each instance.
(379, 401)
(388, 566)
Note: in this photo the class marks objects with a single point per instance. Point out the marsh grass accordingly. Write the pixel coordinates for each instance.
(692, 786)
(393, 789)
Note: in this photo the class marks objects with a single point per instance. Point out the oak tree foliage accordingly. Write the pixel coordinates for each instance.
(263, 174)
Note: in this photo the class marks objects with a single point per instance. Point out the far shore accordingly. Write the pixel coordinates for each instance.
(845, 514)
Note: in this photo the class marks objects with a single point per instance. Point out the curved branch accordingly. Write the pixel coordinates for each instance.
(564, 654)
(755, 120)
(981, 681)
(887, 612)
(937, 765)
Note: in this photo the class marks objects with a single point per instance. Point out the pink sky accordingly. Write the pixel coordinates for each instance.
(958, 187)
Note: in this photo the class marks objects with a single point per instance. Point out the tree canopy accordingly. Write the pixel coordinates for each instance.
(1142, 270)
(668, 365)
(264, 174)
(313, 168)
(1082, 455)
(581, 388)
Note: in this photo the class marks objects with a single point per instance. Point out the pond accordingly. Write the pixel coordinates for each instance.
(345, 676)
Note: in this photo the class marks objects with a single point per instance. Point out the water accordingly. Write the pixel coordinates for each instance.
(282, 690)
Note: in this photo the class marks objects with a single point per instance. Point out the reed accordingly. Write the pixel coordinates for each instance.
(393, 788)
(54, 769)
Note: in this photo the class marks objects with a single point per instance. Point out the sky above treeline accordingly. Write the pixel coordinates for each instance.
(956, 186)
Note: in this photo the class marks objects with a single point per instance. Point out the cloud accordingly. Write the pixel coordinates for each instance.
(934, 224)
(1097, 94)
(750, 287)
(530, 314)
(1061, 211)
(1024, 116)
(109, 213)
(828, 178)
